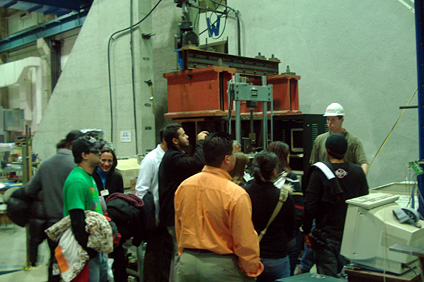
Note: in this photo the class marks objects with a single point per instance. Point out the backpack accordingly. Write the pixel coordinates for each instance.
(335, 190)
(18, 207)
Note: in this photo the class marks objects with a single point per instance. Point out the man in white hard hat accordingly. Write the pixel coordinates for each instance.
(355, 151)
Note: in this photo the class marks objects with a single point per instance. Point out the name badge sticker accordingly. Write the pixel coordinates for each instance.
(104, 193)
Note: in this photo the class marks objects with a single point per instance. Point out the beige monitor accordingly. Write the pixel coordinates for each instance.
(371, 229)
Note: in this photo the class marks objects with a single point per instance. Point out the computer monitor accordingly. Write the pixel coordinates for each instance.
(296, 140)
(371, 229)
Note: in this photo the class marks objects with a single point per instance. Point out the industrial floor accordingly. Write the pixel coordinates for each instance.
(13, 256)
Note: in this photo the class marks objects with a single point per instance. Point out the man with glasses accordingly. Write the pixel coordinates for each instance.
(79, 194)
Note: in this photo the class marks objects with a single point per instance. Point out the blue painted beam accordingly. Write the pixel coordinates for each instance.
(51, 11)
(11, 3)
(65, 4)
(35, 8)
(54, 27)
(419, 33)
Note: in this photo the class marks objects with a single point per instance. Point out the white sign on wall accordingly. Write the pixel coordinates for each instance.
(126, 136)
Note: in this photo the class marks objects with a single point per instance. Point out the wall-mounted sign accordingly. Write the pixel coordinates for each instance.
(126, 136)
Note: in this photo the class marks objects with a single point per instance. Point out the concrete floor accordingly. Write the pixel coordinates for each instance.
(13, 257)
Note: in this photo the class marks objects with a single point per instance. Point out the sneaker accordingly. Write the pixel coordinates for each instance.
(299, 270)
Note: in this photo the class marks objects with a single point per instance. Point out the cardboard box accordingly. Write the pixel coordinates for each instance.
(129, 169)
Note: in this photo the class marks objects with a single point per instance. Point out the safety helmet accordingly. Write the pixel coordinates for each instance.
(334, 109)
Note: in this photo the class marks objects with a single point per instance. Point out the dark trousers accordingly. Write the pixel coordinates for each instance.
(36, 237)
(119, 266)
(295, 246)
(157, 259)
(52, 260)
(329, 261)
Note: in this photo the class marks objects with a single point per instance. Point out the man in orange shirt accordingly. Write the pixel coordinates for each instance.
(215, 234)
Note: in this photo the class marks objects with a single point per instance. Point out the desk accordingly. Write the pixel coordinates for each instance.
(8, 187)
(371, 276)
(310, 277)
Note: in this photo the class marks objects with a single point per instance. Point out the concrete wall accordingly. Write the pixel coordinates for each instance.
(81, 96)
(358, 53)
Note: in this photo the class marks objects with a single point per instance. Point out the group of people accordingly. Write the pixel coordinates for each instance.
(79, 177)
(210, 213)
(208, 210)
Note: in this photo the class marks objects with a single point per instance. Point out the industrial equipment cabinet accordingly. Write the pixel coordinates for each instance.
(299, 132)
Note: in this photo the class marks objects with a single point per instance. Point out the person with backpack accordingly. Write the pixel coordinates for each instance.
(331, 183)
(273, 215)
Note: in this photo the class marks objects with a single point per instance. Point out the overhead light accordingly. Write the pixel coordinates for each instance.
(409, 4)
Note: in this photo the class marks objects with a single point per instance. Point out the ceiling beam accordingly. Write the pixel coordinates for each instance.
(54, 27)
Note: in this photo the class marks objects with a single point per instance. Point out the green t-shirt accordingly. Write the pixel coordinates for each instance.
(355, 151)
(80, 192)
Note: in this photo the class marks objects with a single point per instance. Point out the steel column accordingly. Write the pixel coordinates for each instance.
(419, 27)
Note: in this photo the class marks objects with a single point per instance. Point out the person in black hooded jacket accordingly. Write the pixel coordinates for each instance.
(109, 181)
(265, 196)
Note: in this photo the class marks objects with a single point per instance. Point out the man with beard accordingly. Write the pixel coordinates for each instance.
(176, 166)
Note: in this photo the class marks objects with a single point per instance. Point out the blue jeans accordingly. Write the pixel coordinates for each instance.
(308, 259)
(97, 268)
(274, 269)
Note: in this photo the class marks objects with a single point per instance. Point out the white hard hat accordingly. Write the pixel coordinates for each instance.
(335, 109)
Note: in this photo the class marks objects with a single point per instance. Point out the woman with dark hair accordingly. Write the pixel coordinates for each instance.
(238, 172)
(265, 196)
(107, 179)
(285, 174)
(108, 182)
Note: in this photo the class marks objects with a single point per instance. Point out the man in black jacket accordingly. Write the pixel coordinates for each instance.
(325, 202)
(176, 166)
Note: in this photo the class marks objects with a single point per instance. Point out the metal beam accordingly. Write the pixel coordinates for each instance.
(419, 32)
(11, 3)
(35, 8)
(65, 4)
(54, 27)
(194, 58)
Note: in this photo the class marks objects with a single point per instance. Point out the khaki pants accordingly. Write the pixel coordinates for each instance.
(203, 266)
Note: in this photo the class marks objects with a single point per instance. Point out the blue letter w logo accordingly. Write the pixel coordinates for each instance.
(214, 28)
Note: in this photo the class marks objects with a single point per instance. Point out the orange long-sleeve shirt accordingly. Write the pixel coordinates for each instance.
(213, 213)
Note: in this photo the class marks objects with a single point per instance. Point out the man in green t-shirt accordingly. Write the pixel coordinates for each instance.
(79, 194)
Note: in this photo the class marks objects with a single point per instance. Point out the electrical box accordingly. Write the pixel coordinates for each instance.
(299, 132)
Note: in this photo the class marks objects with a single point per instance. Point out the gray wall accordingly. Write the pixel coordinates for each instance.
(81, 96)
(358, 53)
